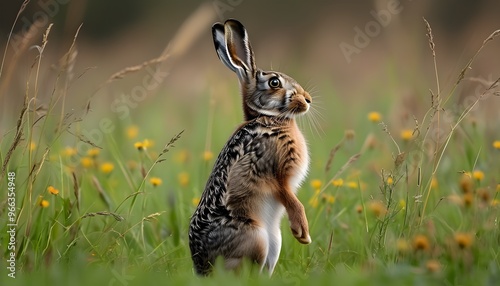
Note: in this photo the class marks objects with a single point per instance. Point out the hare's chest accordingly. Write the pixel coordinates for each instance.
(296, 159)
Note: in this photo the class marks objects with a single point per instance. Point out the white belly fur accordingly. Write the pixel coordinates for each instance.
(271, 214)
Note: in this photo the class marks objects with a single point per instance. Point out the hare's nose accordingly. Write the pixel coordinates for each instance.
(307, 97)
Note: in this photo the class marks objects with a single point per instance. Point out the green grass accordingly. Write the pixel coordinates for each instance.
(404, 213)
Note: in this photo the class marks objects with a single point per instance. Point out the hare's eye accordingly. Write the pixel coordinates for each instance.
(274, 82)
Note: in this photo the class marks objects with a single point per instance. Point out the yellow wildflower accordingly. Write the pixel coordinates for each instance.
(434, 183)
(132, 131)
(107, 167)
(377, 208)
(155, 181)
(143, 145)
(420, 242)
(338, 182)
(466, 184)
(402, 204)
(195, 201)
(87, 162)
(406, 134)
(352, 185)
(468, 199)
(328, 198)
(478, 175)
(316, 184)
(44, 203)
(402, 245)
(69, 151)
(374, 117)
(359, 209)
(433, 266)
(93, 152)
(207, 156)
(464, 240)
(32, 145)
(390, 180)
(496, 144)
(53, 190)
(183, 179)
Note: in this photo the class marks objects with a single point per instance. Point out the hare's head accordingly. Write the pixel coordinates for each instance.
(267, 93)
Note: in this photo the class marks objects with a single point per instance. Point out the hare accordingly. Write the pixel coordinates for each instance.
(257, 173)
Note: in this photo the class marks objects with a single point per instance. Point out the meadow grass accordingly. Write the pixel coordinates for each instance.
(397, 208)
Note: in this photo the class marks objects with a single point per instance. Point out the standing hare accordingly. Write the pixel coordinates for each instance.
(257, 173)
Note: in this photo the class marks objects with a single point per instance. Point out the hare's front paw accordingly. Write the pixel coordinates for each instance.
(300, 229)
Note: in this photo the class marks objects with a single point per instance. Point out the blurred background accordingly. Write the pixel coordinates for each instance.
(353, 55)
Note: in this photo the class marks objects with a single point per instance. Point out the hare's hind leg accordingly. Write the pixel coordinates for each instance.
(251, 243)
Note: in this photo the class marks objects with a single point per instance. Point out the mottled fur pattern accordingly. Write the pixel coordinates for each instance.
(257, 173)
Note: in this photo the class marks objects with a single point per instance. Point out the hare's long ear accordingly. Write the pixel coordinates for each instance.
(234, 50)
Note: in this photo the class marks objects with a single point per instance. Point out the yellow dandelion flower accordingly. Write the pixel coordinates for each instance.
(484, 195)
(478, 175)
(420, 242)
(147, 143)
(132, 131)
(402, 204)
(316, 184)
(377, 208)
(359, 209)
(155, 181)
(87, 162)
(328, 198)
(195, 201)
(352, 185)
(434, 183)
(338, 182)
(496, 144)
(374, 117)
(466, 184)
(207, 155)
(468, 199)
(107, 167)
(406, 134)
(495, 202)
(402, 245)
(53, 190)
(93, 152)
(32, 145)
(433, 266)
(139, 146)
(183, 179)
(143, 145)
(44, 203)
(390, 180)
(69, 151)
(464, 240)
